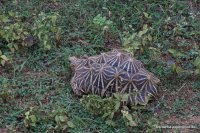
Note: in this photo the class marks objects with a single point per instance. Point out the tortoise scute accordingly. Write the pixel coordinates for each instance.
(151, 89)
(112, 72)
(130, 66)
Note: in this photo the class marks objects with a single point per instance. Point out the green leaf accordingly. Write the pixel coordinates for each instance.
(132, 123)
(124, 97)
(3, 62)
(10, 46)
(110, 122)
(31, 109)
(197, 71)
(33, 124)
(11, 13)
(144, 30)
(106, 115)
(146, 15)
(136, 45)
(27, 113)
(117, 106)
(26, 123)
(33, 118)
(63, 118)
(179, 70)
(57, 36)
(172, 51)
(70, 124)
(175, 53)
(48, 47)
(64, 127)
(124, 112)
(117, 96)
(4, 57)
(39, 35)
(150, 38)
(16, 46)
(4, 19)
(53, 19)
(129, 117)
(174, 67)
(152, 122)
(197, 62)
(57, 119)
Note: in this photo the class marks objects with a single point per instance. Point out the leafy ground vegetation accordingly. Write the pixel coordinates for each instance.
(37, 37)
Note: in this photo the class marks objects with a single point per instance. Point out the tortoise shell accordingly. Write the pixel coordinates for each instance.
(113, 72)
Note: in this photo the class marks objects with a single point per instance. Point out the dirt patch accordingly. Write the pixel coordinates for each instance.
(184, 125)
(174, 122)
(184, 121)
(186, 92)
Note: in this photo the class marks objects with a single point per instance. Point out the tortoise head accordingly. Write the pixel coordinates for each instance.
(73, 62)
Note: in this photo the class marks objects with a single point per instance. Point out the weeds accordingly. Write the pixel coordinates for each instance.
(16, 33)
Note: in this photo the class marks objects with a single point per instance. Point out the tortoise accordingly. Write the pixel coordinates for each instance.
(113, 72)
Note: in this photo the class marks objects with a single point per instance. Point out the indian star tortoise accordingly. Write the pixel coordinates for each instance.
(113, 72)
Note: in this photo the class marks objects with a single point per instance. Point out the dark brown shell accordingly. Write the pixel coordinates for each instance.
(113, 72)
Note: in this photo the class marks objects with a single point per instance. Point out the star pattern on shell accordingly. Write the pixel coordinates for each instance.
(113, 72)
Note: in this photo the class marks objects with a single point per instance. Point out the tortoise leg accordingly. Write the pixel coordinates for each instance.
(75, 89)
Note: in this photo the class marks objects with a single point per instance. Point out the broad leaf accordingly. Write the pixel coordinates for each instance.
(4, 57)
(144, 30)
(33, 118)
(70, 124)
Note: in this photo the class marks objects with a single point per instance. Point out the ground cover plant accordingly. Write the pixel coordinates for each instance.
(37, 38)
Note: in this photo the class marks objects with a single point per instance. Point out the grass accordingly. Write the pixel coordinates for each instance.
(40, 79)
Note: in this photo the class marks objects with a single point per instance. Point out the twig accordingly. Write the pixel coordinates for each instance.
(181, 87)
